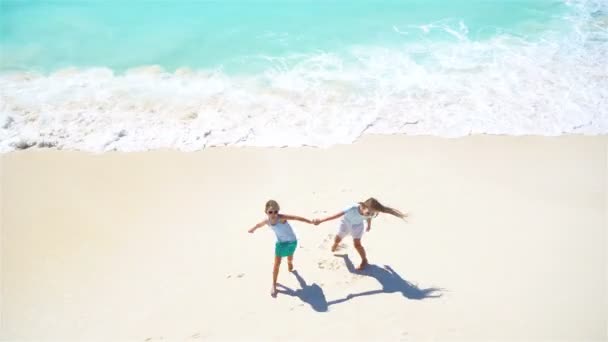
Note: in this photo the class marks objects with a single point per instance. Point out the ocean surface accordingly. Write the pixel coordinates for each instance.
(99, 75)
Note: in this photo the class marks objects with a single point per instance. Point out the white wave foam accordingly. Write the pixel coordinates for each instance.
(558, 85)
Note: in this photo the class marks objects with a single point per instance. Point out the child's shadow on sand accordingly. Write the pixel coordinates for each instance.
(390, 281)
(311, 294)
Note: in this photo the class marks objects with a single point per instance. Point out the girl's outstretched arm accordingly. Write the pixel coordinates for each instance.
(328, 218)
(369, 224)
(259, 225)
(297, 218)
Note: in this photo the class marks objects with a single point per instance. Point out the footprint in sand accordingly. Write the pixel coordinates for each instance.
(328, 241)
(329, 264)
(240, 275)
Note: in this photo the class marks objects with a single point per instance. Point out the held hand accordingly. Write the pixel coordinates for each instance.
(316, 221)
(368, 228)
(251, 230)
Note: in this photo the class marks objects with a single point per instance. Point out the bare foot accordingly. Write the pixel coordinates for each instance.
(364, 263)
(290, 267)
(334, 247)
(273, 291)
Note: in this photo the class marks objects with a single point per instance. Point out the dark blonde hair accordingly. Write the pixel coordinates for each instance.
(272, 204)
(374, 204)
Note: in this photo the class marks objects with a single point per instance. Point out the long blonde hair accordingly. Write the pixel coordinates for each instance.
(374, 204)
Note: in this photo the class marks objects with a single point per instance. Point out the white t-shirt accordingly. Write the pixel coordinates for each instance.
(352, 215)
(283, 231)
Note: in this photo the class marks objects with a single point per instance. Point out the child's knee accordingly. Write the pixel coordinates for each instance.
(357, 243)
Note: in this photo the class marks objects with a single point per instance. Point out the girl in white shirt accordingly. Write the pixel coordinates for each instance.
(286, 238)
(352, 220)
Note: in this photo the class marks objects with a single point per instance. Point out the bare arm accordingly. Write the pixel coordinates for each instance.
(369, 224)
(257, 226)
(297, 218)
(329, 218)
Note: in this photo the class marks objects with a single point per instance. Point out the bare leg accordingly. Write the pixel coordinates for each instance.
(290, 263)
(275, 275)
(361, 250)
(336, 242)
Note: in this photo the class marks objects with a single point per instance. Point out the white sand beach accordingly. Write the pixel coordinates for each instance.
(506, 241)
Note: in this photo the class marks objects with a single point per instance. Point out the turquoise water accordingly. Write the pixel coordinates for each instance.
(135, 75)
(240, 36)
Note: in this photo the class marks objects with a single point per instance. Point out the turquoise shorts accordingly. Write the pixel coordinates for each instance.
(283, 249)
